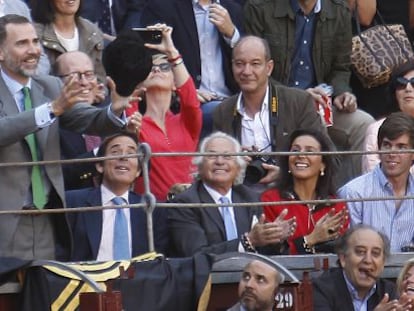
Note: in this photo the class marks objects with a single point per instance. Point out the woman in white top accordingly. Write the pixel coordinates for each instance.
(61, 29)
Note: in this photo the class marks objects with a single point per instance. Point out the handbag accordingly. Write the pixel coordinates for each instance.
(377, 51)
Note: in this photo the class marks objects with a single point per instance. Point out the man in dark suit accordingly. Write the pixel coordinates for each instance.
(205, 32)
(94, 232)
(125, 14)
(258, 287)
(356, 284)
(223, 229)
(29, 236)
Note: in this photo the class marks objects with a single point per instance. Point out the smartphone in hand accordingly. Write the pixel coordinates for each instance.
(151, 36)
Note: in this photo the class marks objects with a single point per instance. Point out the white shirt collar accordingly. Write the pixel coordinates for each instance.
(14, 86)
(216, 195)
(108, 195)
(240, 104)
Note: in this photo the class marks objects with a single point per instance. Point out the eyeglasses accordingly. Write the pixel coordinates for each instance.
(89, 75)
(163, 67)
(217, 156)
(403, 82)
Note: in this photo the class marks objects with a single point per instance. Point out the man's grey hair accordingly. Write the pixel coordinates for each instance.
(241, 163)
(342, 246)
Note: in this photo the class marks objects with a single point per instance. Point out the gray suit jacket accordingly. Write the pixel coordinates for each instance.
(14, 126)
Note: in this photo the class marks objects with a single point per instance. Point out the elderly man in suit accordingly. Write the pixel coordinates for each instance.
(257, 287)
(223, 229)
(95, 233)
(31, 110)
(356, 284)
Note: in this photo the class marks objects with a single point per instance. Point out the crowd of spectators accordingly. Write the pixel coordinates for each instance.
(227, 76)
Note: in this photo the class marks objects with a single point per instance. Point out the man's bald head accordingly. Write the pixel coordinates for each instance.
(258, 286)
(74, 61)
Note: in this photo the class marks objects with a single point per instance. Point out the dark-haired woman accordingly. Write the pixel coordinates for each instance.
(61, 29)
(308, 177)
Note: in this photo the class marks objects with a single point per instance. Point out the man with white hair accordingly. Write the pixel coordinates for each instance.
(225, 228)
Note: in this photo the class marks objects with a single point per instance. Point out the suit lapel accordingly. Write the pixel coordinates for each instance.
(6, 99)
(186, 15)
(93, 221)
(241, 215)
(211, 212)
(139, 238)
(38, 99)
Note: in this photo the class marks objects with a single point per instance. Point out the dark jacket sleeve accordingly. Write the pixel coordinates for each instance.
(189, 237)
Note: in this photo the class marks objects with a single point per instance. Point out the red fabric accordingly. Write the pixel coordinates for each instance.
(183, 131)
(300, 211)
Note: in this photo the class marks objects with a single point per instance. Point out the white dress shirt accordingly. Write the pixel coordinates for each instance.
(105, 251)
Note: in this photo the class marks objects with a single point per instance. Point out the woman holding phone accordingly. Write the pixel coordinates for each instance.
(163, 130)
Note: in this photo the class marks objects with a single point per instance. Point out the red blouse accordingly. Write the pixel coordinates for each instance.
(305, 218)
(182, 134)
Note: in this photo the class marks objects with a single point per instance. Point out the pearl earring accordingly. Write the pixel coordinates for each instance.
(322, 173)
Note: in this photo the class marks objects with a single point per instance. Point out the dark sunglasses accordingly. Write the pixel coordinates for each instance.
(164, 67)
(403, 82)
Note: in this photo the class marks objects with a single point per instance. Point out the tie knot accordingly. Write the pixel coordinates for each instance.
(26, 91)
(224, 200)
(118, 201)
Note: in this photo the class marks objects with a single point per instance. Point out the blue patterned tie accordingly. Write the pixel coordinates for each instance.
(104, 22)
(229, 224)
(121, 239)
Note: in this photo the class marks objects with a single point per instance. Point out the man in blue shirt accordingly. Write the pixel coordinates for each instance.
(391, 178)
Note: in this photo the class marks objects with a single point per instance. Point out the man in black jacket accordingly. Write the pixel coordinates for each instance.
(356, 284)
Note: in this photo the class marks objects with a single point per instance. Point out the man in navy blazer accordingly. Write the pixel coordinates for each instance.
(93, 232)
(125, 13)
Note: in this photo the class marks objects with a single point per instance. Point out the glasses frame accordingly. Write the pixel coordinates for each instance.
(89, 75)
(163, 67)
(403, 82)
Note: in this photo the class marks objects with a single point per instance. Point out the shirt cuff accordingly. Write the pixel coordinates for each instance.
(44, 116)
(234, 39)
(121, 121)
(241, 248)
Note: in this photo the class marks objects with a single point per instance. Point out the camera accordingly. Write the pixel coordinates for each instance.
(255, 171)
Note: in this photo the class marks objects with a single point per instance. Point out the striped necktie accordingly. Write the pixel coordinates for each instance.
(38, 189)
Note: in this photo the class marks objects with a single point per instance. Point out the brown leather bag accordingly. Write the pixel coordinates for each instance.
(378, 50)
